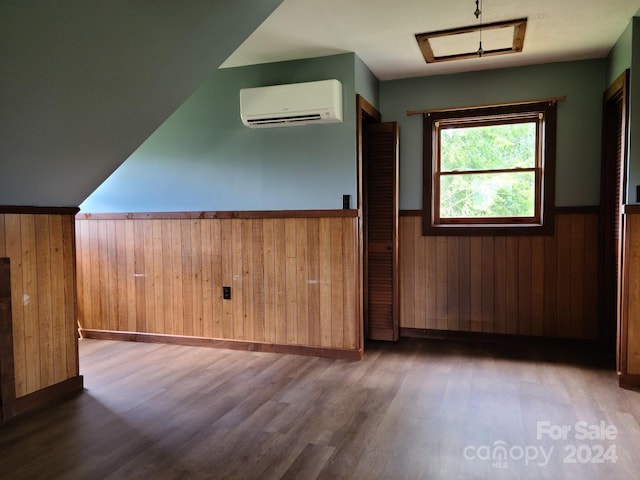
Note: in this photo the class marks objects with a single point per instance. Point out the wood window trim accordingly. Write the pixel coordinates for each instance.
(545, 193)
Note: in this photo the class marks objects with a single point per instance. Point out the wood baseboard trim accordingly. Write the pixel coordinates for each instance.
(50, 395)
(498, 338)
(335, 353)
(629, 381)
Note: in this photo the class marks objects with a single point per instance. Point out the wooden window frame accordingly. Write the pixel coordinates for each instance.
(541, 223)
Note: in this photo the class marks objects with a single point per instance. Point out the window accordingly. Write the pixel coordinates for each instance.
(489, 170)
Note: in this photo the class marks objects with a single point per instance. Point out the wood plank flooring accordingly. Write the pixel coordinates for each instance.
(418, 409)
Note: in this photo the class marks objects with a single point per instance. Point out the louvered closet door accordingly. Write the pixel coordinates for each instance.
(380, 175)
(612, 180)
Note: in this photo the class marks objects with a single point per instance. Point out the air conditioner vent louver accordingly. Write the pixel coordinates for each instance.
(293, 119)
(292, 105)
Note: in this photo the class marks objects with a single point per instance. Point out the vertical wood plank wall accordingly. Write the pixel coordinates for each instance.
(41, 250)
(7, 370)
(629, 362)
(293, 280)
(538, 285)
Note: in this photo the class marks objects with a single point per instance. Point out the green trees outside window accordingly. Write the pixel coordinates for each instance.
(489, 170)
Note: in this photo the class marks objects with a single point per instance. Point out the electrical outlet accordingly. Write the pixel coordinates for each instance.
(226, 293)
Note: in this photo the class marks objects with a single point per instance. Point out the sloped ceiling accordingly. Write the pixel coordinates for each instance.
(382, 32)
(83, 84)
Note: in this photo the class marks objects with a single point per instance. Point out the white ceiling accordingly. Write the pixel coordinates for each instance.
(382, 32)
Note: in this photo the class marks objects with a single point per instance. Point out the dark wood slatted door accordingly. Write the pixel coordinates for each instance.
(380, 195)
(612, 199)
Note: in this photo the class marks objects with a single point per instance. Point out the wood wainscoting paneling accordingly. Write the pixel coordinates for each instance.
(522, 285)
(7, 371)
(40, 244)
(293, 280)
(629, 321)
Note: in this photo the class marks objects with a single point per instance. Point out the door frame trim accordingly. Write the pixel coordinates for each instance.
(610, 336)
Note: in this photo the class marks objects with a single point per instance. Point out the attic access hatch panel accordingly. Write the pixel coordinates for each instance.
(292, 104)
(498, 38)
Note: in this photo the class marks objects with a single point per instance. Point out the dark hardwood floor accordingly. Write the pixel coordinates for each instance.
(418, 409)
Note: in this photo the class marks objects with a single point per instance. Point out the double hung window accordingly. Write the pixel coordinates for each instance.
(489, 170)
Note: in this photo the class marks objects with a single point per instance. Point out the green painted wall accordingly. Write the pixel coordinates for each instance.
(579, 118)
(633, 173)
(619, 58)
(84, 83)
(367, 84)
(204, 158)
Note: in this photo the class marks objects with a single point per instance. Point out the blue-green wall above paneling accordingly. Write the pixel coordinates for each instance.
(83, 84)
(204, 158)
(579, 118)
(367, 84)
(619, 58)
(633, 170)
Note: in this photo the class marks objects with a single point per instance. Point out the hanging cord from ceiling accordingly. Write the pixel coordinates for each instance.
(478, 14)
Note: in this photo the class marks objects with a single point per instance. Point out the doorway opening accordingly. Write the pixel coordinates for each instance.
(378, 198)
(612, 198)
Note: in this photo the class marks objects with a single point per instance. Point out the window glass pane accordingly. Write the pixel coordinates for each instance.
(488, 147)
(479, 195)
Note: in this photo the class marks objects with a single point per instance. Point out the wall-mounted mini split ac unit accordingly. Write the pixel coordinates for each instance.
(292, 104)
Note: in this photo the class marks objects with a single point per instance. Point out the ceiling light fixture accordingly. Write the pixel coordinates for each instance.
(460, 43)
(478, 14)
